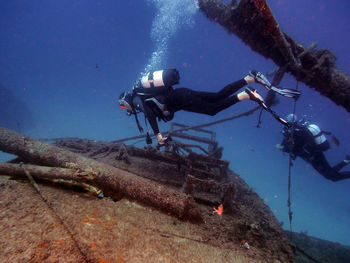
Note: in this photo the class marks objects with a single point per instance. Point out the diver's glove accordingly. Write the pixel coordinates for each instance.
(161, 139)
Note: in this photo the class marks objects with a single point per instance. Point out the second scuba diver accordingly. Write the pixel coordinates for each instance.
(307, 141)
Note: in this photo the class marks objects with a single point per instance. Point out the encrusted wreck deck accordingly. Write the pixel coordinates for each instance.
(94, 229)
(246, 217)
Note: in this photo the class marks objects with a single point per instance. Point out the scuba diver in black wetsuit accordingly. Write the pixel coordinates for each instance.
(157, 99)
(307, 141)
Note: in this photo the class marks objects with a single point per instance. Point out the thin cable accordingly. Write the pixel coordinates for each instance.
(290, 164)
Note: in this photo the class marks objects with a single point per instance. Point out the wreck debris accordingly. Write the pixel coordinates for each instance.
(113, 181)
(204, 172)
(196, 160)
(253, 22)
(226, 190)
(45, 172)
(194, 170)
(122, 154)
(69, 177)
(212, 143)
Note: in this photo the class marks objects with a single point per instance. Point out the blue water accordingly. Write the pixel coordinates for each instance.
(64, 63)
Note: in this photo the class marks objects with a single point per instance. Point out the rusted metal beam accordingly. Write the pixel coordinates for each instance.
(113, 181)
(253, 22)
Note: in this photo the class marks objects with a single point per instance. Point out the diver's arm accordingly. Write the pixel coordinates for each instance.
(151, 117)
(139, 106)
(284, 146)
(153, 122)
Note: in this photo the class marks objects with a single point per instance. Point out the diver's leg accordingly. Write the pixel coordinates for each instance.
(341, 176)
(233, 87)
(342, 164)
(322, 166)
(187, 99)
(225, 92)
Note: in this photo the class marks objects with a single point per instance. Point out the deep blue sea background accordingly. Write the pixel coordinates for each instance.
(64, 63)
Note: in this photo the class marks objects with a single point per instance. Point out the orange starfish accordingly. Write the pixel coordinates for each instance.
(219, 211)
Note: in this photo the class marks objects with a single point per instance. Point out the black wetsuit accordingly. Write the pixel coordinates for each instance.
(145, 100)
(305, 147)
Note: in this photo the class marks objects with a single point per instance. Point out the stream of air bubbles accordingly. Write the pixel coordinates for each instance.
(171, 16)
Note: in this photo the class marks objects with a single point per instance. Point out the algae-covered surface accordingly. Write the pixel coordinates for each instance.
(102, 230)
(49, 221)
(61, 223)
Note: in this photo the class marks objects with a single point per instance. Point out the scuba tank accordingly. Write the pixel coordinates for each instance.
(319, 138)
(160, 78)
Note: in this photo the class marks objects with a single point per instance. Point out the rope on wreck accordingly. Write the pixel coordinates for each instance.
(290, 164)
(46, 201)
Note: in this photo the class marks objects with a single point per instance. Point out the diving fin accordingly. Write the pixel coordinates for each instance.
(274, 114)
(278, 118)
(261, 79)
(289, 93)
(335, 141)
